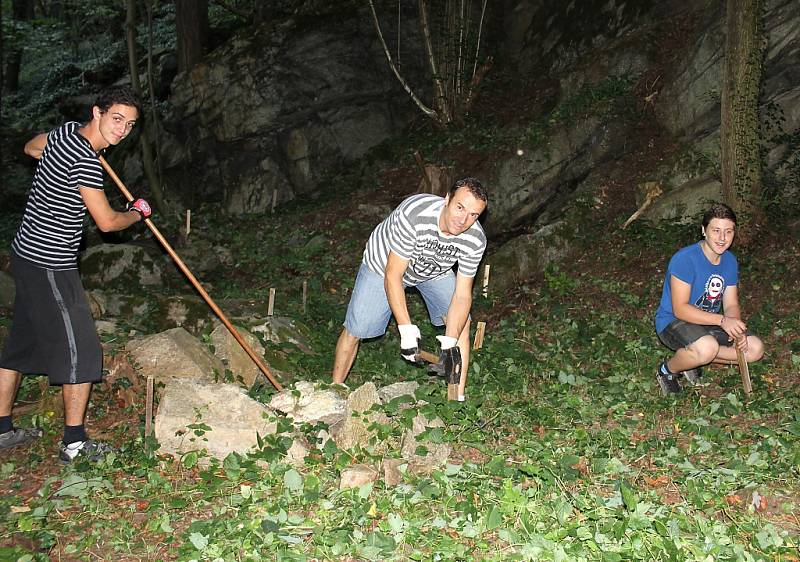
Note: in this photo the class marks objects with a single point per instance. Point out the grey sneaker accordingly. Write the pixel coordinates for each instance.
(668, 383)
(692, 376)
(90, 449)
(18, 436)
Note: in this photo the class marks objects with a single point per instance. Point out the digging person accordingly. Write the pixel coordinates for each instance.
(699, 317)
(417, 246)
(53, 331)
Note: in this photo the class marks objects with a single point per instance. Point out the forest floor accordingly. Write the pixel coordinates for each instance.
(565, 449)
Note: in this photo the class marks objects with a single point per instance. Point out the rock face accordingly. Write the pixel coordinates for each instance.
(122, 265)
(268, 112)
(234, 419)
(174, 354)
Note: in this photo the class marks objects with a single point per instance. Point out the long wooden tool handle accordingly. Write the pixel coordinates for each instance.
(744, 370)
(195, 282)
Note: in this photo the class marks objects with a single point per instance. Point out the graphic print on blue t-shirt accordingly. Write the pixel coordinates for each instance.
(711, 299)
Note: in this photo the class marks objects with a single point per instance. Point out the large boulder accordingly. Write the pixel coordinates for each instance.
(355, 429)
(307, 404)
(528, 255)
(174, 354)
(187, 407)
(235, 358)
(124, 266)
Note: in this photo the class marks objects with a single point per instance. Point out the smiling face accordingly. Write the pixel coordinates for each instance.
(718, 235)
(116, 123)
(461, 210)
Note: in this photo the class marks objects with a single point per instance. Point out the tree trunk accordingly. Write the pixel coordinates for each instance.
(144, 137)
(739, 123)
(21, 10)
(191, 23)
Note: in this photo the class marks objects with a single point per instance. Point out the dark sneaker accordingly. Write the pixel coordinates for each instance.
(692, 376)
(90, 449)
(668, 383)
(18, 436)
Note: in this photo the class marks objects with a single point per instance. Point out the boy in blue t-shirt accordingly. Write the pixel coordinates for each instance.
(699, 316)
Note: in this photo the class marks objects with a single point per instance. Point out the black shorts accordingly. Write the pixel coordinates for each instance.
(53, 331)
(680, 334)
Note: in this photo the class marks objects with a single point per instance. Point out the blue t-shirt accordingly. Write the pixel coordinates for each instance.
(708, 281)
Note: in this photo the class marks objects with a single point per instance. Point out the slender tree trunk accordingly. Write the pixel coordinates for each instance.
(191, 25)
(21, 10)
(144, 137)
(739, 123)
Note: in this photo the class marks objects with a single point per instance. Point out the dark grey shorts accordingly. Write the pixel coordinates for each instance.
(680, 334)
(53, 331)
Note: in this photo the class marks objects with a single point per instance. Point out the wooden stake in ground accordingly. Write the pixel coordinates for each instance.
(148, 409)
(486, 280)
(305, 295)
(744, 371)
(195, 283)
(274, 200)
(479, 331)
(271, 305)
(188, 222)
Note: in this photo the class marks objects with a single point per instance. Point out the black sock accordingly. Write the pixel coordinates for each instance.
(5, 424)
(73, 433)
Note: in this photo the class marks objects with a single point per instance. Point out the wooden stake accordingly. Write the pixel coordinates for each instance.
(271, 305)
(274, 200)
(479, 331)
(744, 371)
(188, 221)
(148, 409)
(486, 280)
(305, 295)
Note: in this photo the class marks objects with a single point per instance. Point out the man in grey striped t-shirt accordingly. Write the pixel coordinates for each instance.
(53, 331)
(418, 245)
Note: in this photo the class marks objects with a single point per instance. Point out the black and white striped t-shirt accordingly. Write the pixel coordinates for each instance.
(412, 232)
(52, 225)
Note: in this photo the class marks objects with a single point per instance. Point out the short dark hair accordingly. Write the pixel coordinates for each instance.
(123, 95)
(718, 211)
(475, 187)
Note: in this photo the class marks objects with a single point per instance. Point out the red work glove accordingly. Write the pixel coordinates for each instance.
(140, 206)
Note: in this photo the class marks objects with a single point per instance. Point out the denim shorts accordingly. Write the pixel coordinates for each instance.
(368, 313)
(680, 334)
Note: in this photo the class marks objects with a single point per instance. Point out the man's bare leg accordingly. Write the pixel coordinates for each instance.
(76, 398)
(9, 383)
(346, 349)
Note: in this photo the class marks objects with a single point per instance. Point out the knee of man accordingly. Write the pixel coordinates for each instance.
(755, 348)
(706, 349)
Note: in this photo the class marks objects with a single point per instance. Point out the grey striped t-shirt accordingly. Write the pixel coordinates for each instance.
(52, 225)
(412, 232)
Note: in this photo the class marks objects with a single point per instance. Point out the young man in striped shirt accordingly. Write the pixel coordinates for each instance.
(53, 331)
(417, 246)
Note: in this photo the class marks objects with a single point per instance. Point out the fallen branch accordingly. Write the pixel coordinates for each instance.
(653, 191)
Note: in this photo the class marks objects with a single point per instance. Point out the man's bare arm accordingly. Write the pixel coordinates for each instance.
(460, 305)
(35, 147)
(106, 218)
(393, 285)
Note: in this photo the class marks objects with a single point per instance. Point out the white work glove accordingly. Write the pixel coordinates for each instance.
(409, 341)
(447, 341)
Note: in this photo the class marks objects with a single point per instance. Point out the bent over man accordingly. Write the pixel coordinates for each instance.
(53, 331)
(699, 316)
(418, 245)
